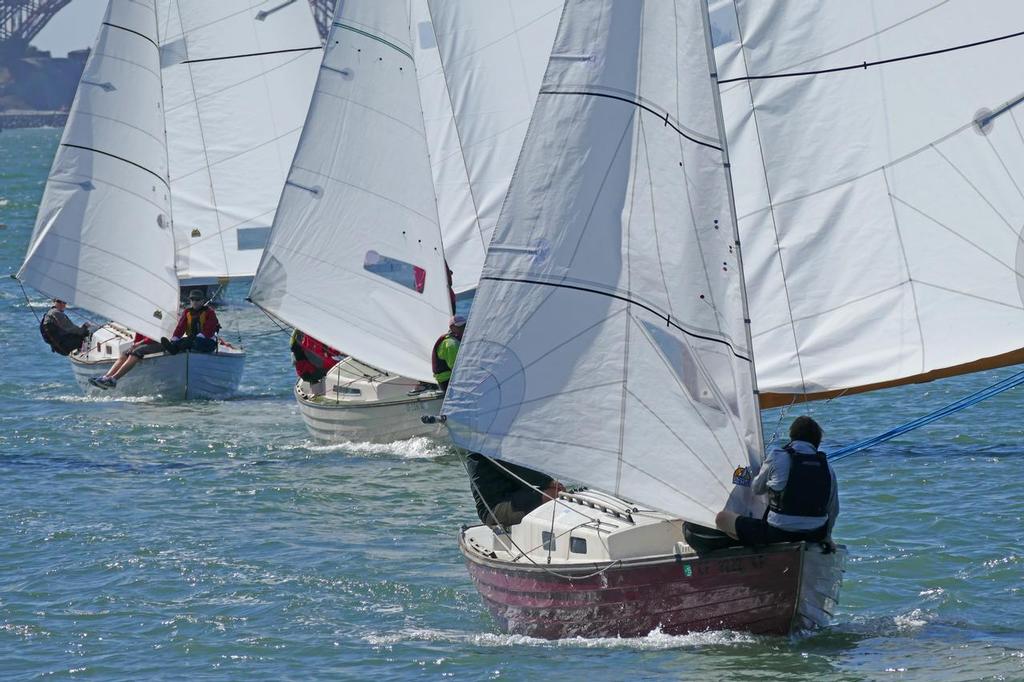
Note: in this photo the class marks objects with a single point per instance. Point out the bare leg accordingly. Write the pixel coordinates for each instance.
(117, 364)
(125, 367)
(726, 522)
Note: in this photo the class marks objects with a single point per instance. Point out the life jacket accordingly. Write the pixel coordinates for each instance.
(808, 489)
(303, 346)
(59, 340)
(194, 323)
(442, 370)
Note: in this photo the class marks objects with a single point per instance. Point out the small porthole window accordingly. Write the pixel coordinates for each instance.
(577, 545)
(548, 540)
(397, 271)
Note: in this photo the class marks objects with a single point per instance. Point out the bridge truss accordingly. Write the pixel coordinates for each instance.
(22, 20)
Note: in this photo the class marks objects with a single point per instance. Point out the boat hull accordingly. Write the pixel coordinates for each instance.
(771, 590)
(185, 376)
(374, 422)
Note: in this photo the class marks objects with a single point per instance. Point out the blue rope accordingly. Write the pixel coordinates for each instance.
(973, 399)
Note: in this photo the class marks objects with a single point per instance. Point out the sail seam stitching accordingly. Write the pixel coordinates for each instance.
(879, 62)
(667, 318)
(115, 156)
(906, 264)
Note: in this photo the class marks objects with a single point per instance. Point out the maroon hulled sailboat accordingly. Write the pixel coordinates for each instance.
(609, 344)
(600, 583)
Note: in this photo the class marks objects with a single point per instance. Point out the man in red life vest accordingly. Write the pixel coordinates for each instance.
(313, 358)
(197, 328)
(142, 346)
(445, 350)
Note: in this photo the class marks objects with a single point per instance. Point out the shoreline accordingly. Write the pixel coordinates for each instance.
(32, 119)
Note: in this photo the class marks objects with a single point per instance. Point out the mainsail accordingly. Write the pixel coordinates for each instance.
(237, 80)
(355, 255)
(493, 56)
(607, 342)
(878, 158)
(103, 238)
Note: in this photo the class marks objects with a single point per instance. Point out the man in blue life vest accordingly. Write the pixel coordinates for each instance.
(803, 494)
(446, 348)
(197, 328)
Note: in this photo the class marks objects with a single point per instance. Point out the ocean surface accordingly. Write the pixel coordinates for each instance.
(214, 540)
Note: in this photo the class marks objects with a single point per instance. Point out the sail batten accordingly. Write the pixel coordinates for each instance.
(607, 342)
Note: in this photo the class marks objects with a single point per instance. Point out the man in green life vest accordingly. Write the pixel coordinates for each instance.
(445, 349)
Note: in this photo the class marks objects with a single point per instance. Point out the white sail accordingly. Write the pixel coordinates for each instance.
(879, 166)
(355, 256)
(494, 54)
(452, 188)
(607, 342)
(103, 237)
(237, 76)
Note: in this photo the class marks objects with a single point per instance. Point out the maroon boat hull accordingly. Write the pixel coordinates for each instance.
(736, 589)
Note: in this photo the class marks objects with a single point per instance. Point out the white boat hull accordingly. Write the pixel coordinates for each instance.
(185, 376)
(356, 403)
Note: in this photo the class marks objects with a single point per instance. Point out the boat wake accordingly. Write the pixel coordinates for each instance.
(414, 448)
(655, 641)
(100, 398)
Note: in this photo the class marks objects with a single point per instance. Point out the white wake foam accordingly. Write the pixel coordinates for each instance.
(655, 641)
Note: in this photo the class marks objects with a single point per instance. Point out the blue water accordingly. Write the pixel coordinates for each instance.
(214, 540)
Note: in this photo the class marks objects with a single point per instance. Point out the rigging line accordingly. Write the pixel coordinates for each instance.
(525, 554)
(879, 62)
(1006, 384)
(269, 316)
(663, 115)
(119, 158)
(250, 54)
(129, 30)
(28, 301)
(627, 299)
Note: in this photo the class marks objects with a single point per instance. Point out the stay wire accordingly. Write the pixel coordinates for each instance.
(995, 389)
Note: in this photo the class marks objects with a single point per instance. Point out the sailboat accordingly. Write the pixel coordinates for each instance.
(175, 149)
(609, 344)
(399, 176)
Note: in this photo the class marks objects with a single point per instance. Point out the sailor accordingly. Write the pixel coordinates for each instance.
(62, 334)
(803, 494)
(442, 358)
(313, 358)
(504, 492)
(141, 347)
(197, 328)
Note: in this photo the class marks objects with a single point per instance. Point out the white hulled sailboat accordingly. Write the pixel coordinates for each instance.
(176, 147)
(399, 174)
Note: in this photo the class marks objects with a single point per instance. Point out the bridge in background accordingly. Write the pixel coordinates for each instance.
(22, 20)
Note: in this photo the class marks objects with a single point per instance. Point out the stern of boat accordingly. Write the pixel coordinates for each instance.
(359, 403)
